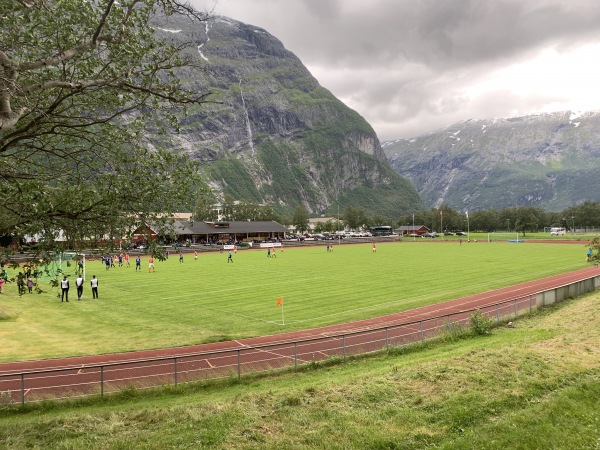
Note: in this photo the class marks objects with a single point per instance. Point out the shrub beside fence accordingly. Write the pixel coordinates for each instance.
(102, 379)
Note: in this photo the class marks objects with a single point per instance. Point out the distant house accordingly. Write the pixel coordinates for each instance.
(407, 230)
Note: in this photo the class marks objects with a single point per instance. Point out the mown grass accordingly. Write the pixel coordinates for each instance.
(535, 386)
(213, 300)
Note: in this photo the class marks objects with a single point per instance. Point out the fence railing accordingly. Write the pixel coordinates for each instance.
(102, 379)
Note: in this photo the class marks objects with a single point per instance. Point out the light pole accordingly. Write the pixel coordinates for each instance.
(337, 226)
(508, 225)
(573, 222)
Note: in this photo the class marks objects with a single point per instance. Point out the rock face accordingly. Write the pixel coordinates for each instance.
(548, 160)
(274, 134)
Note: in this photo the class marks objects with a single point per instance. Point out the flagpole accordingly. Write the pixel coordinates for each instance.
(468, 227)
(280, 303)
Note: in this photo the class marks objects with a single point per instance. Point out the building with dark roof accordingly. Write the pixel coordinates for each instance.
(412, 229)
(202, 232)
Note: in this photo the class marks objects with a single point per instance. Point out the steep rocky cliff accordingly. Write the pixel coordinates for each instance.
(549, 160)
(277, 136)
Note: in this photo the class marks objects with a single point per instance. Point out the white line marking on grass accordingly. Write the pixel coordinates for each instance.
(245, 316)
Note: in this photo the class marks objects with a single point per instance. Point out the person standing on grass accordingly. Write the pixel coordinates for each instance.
(181, 257)
(126, 259)
(79, 286)
(151, 264)
(29, 284)
(589, 254)
(229, 257)
(138, 264)
(374, 248)
(196, 255)
(94, 284)
(64, 285)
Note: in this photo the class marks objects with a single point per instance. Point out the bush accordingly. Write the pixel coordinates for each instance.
(480, 323)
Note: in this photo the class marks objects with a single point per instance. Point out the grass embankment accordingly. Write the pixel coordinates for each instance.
(208, 300)
(530, 387)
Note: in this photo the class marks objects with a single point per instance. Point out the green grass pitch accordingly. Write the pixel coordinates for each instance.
(208, 300)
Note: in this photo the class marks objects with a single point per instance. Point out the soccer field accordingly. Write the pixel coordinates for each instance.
(208, 300)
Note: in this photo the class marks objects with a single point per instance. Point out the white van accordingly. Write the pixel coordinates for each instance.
(557, 231)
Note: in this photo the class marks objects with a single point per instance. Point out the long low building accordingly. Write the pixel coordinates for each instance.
(211, 232)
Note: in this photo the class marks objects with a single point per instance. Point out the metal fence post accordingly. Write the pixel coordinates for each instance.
(239, 367)
(101, 381)
(22, 389)
(295, 355)
(497, 314)
(344, 346)
(387, 342)
(516, 313)
(175, 370)
(422, 334)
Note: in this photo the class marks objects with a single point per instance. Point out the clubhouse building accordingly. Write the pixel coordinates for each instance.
(198, 232)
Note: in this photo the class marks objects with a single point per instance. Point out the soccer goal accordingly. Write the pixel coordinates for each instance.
(505, 237)
(65, 263)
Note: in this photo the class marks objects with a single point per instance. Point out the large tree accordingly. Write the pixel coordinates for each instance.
(300, 219)
(80, 81)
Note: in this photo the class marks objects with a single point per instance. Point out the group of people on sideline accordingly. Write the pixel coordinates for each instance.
(64, 285)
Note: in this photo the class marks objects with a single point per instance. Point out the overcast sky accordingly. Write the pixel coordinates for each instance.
(414, 66)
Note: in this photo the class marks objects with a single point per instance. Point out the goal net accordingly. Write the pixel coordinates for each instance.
(63, 263)
(505, 237)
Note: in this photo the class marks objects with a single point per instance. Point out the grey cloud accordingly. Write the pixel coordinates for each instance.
(407, 65)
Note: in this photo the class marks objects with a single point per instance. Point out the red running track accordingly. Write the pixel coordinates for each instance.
(76, 373)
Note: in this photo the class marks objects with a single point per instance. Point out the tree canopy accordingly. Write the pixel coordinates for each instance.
(80, 82)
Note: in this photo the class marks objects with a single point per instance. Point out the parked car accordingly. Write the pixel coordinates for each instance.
(448, 233)
(433, 234)
(461, 233)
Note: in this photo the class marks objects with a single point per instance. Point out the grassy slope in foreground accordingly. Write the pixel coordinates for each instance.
(529, 387)
(191, 303)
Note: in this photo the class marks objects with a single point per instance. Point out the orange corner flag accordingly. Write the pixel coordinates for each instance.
(279, 301)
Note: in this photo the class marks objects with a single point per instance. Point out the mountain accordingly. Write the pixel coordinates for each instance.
(276, 136)
(549, 160)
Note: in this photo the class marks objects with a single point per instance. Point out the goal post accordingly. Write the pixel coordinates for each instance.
(61, 262)
(504, 237)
